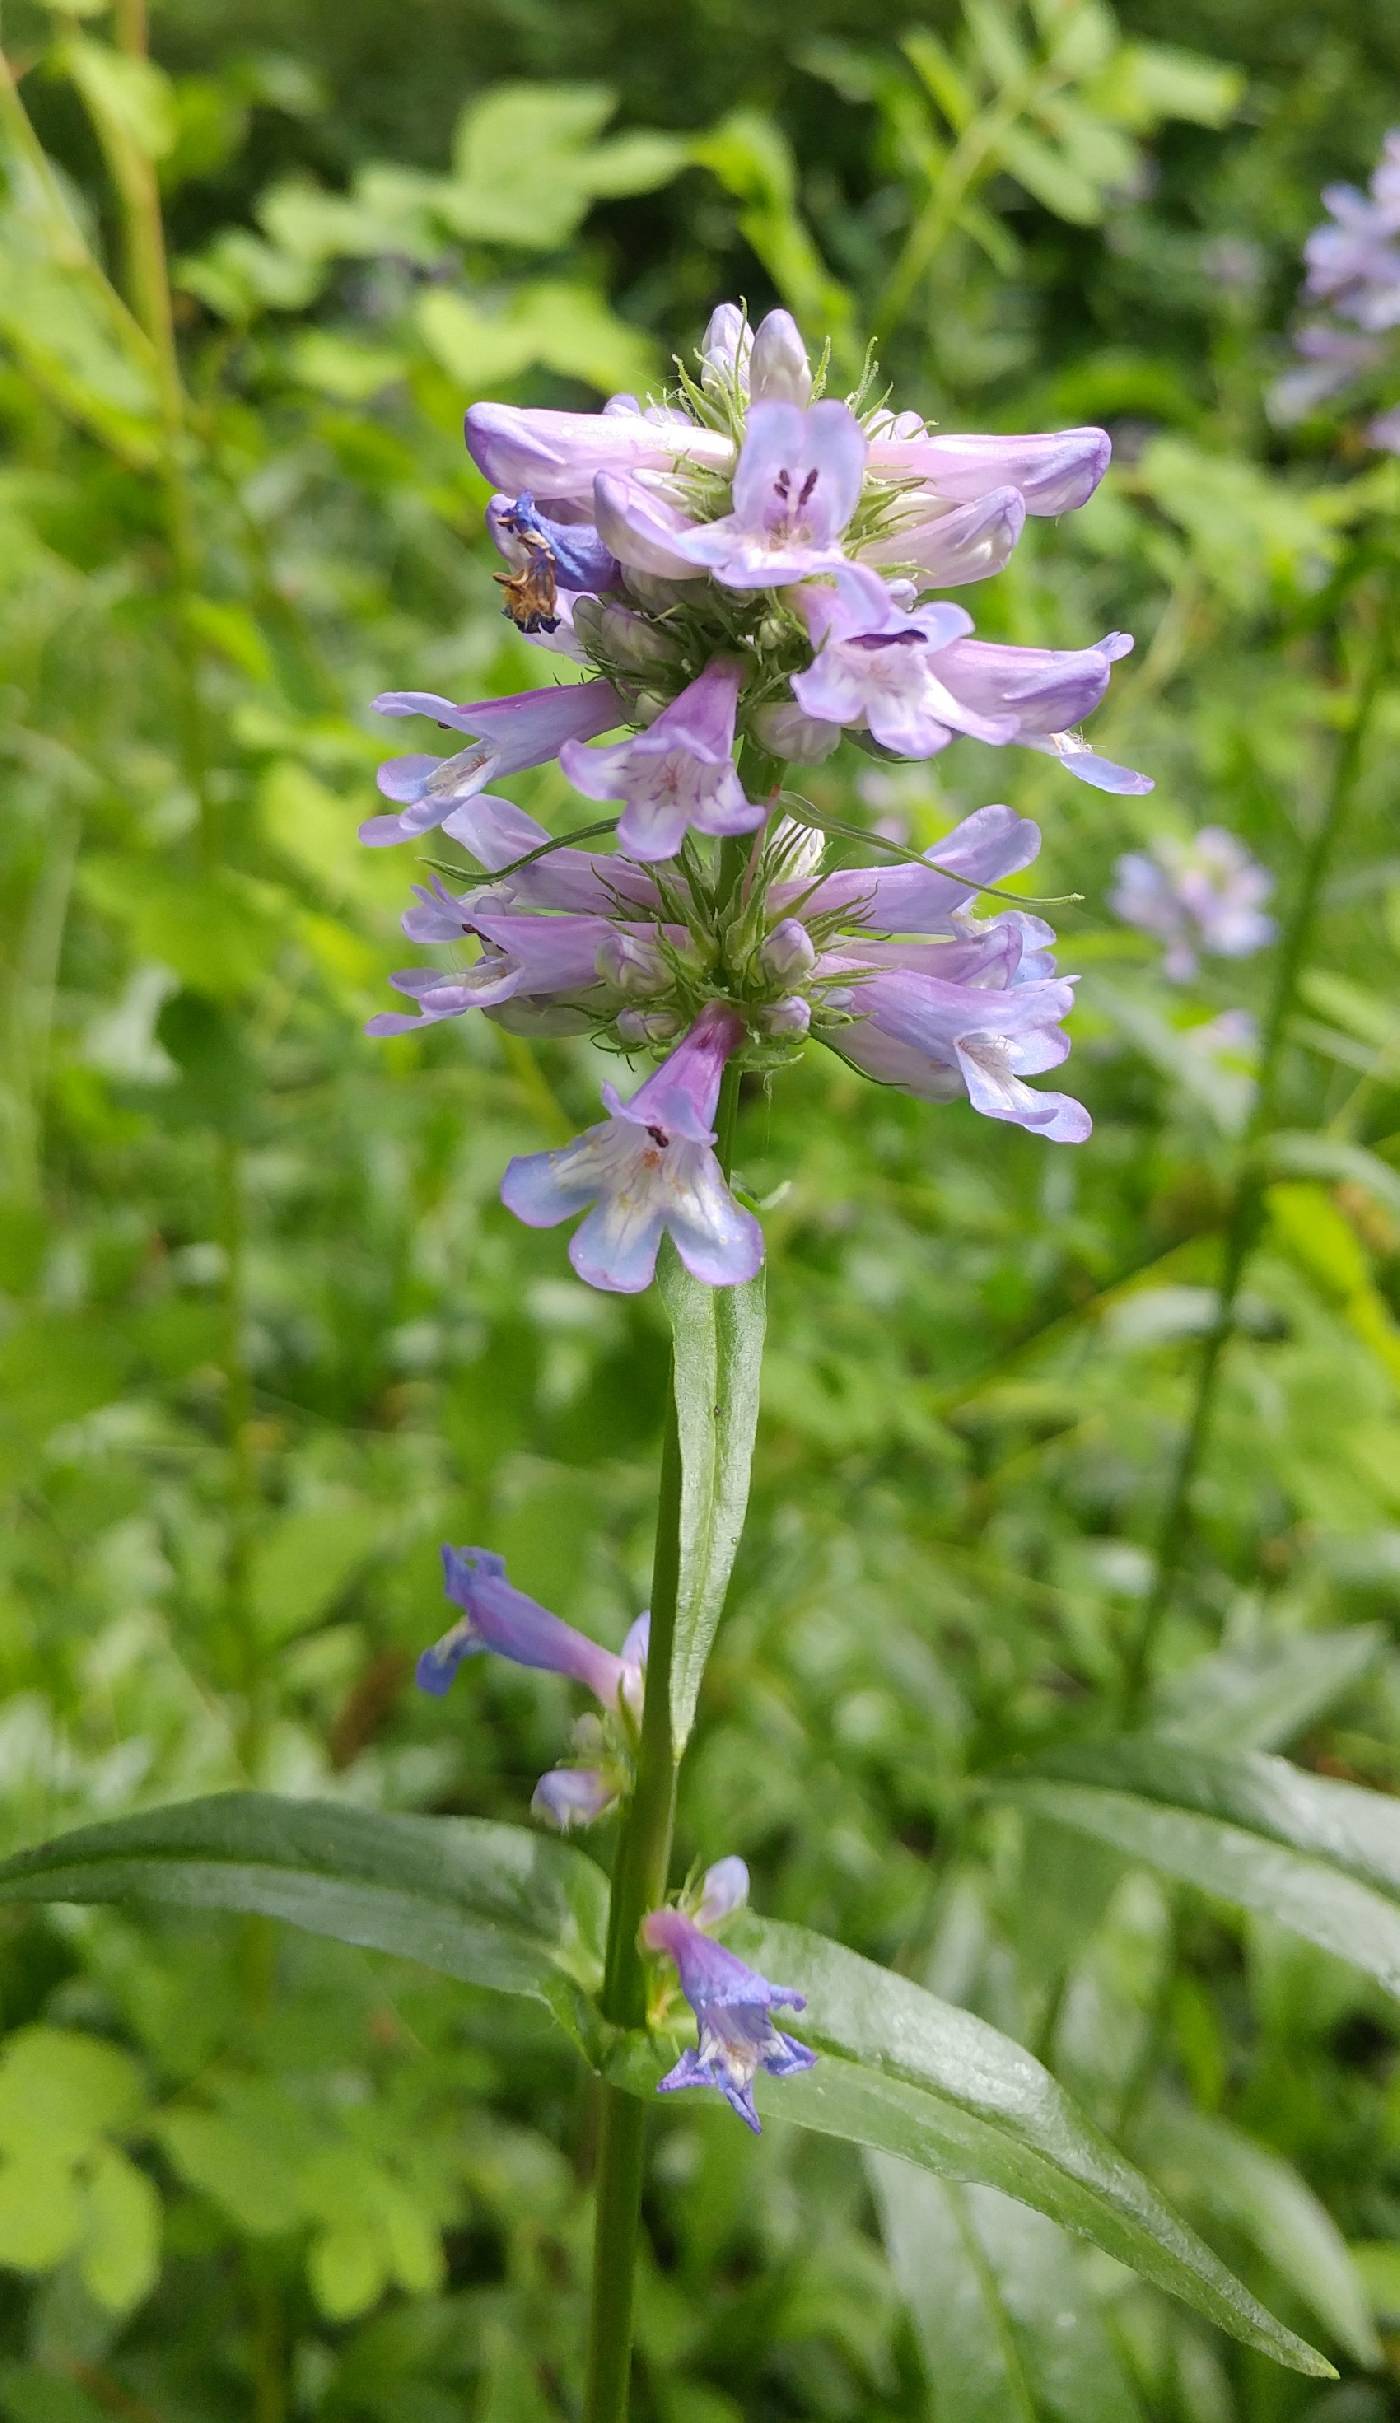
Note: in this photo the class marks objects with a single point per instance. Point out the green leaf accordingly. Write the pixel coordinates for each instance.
(1006, 2325)
(491, 1904)
(119, 2254)
(130, 99)
(1312, 1156)
(303, 1561)
(250, 2180)
(60, 2092)
(347, 2268)
(718, 1349)
(1261, 1695)
(903, 2073)
(1318, 1856)
(1206, 2163)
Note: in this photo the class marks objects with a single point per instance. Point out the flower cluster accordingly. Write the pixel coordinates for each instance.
(1352, 343)
(744, 570)
(1205, 895)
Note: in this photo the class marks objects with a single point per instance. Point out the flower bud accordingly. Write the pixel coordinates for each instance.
(779, 371)
(788, 953)
(631, 965)
(647, 1026)
(786, 732)
(609, 631)
(785, 1021)
(726, 348)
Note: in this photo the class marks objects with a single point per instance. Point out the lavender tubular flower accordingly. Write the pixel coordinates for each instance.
(677, 774)
(496, 1617)
(508, 734)
(796, 487)
(948, 546)
(1055, 470)
(732, 2003)
(556, 456)
(648, 1170)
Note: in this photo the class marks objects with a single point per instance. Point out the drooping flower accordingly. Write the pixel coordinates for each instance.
(1205, 895)
(507, 735)
(676, 776)
(495, 1616)
(732, 2003)
(649, 1169)
(499, 1618)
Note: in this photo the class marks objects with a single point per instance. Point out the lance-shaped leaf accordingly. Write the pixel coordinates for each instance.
(718, 1353)
(1006, 2323)
(902, 2073)
(1318, 1856)
(494, 1905)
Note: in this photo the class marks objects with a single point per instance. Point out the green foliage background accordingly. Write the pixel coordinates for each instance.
(267, 1337)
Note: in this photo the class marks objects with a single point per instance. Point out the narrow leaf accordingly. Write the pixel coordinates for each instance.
(492, 1904)
(1005, 2321)
(903, 2073)
(1262, 1694)
(1318, 1856)
(718, 1347)
(1219, 2171)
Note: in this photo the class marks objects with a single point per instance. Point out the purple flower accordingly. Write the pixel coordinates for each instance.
(1037, 694)
(678, 774)
(796, 486)
(974, 1017)
(985, 848)
(557, 456)
(879, 667)
(495, 1616)
(1203, 895)
(779, 371)
(532, 955)
(497, 833)
(648, 1170)
(1055, 470)
(946, 546)
(1353, 271)
(733, 2005)
(725, 349)
(508, 734)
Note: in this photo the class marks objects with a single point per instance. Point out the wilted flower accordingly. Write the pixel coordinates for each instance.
(743, 568)
(1353, 276)
(499, 1618)
(1200, 896)
(733, 2005)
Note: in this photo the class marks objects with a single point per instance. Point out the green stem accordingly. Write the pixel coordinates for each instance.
(1246, 1208)
(149, 276)
(638, 1885)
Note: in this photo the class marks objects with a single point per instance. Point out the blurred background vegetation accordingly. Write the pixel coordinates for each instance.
(267, 1337)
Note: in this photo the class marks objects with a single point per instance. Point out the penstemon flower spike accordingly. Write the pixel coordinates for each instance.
(746, 571)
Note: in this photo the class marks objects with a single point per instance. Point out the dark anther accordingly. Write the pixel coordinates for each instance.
(659, 1136)
(807, 486)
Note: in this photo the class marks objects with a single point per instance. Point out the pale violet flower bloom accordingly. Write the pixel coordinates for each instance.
(1056, 470)
(1200, 897)
(558, 455)
(501, 1619)
(796, 485)
(732, 2003)
(676, 776)
(1353, 275)
(648, 1170)
(507, 734)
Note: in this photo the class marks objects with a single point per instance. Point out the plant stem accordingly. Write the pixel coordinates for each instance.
(149, 276)
(1247, 1202)
(638, 1885)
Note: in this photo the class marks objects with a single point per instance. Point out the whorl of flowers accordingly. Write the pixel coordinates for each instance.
(1351, 346)
(1201, 898)
(747, 572)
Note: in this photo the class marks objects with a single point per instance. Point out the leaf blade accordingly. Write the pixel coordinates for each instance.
(717, 1359)
(1318, 1856)
(493, 1905)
